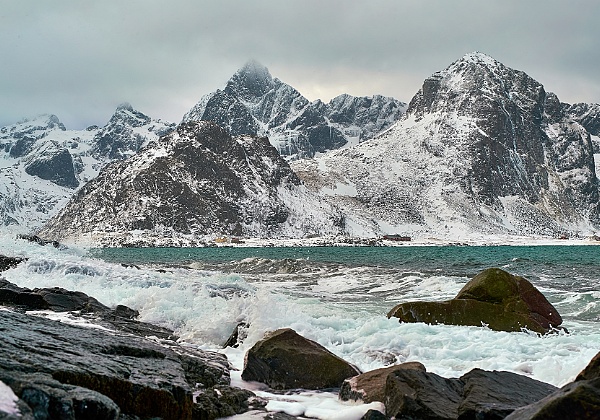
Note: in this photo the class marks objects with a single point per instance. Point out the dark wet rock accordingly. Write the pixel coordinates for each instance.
(47, 398)
(37, 240)
(370, 386)
(479, 394)
(592, 370)
(417, 394)
(141, 386)
(496, 394)
(279, 416)
(7, 263)
(222, 402)
(577, 400)
(237, 336)
(493, 298)
(68, 372)
(286, 360)
(374, 415)
(79, 304)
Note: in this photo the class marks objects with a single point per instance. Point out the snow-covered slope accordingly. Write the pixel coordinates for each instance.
(588, 115)
(42, 163)
(196, 181)
(482, 149)
(255, 103)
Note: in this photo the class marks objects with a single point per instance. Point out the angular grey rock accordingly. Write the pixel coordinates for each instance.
(63, 371)
(577, 400)
(478, 394)
(496, 394)
(60, 300)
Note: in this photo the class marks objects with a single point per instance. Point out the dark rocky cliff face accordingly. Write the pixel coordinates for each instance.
(255, 103)
(197, 180)
(588, 115)
(118, 138)
(481, 148)
(519, 134)
(52, 162)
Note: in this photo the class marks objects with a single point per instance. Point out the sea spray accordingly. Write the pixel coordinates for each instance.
(339, 304)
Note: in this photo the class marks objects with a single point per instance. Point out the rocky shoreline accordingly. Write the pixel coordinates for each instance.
(115, 367)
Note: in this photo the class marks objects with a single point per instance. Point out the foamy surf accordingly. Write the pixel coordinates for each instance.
(341, 305)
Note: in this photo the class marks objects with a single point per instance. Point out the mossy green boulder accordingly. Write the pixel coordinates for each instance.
(493, 298)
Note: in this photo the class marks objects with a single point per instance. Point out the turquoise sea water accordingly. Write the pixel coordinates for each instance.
(370, 277)
(576, 268)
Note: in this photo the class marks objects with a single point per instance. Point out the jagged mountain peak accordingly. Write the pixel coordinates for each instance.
(39, 123)
(474, 82)
(254, 69)
(197, 180)
(125, 106)
(127, 131)
(252, 81)
(126, 114)
(482, 148)
(480, 58)
(255, 103)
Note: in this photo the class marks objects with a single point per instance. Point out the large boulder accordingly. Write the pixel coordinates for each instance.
(53, 366)
(577, 400)
(286, 360)
(479, 394)
(370, 386)
(493, 298)
(56, 370)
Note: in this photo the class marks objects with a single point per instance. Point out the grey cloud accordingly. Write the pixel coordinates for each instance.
(80, 59)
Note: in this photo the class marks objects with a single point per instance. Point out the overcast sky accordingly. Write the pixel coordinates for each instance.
(80, 59)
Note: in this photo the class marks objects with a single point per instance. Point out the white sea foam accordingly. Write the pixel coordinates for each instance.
(8, 401)
(343, 309)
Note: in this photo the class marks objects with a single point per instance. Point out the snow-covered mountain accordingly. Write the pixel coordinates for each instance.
(588, 115)
(195, 181)
(255, 103)
(482, 149)
(42, 163)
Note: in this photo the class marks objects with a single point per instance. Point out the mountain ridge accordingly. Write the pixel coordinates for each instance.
(481, 149)
(195, 181)
(44, 163)
(255, 103)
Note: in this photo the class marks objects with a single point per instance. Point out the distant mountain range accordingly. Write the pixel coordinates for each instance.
(197, 180)
(481, 150)
(255, 103)
(44, 163)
